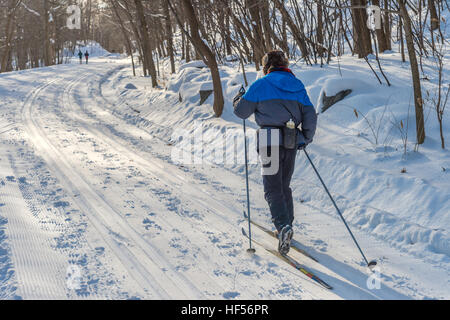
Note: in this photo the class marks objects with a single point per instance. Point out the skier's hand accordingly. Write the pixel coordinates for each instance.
(302, 143)
(302, 146)
(238, 97)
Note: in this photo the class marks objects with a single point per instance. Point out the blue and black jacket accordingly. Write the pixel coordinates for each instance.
(275, 99)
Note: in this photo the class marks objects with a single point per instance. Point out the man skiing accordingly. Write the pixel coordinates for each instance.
(80, 55)
(86, 55)
(280, 102)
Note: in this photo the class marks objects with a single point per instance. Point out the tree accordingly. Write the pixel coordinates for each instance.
(169, 35)
(361, 34)
(434, 19)
(418, 101)
(147, 49)
(381, 35)
(204, 50)
(6, 54)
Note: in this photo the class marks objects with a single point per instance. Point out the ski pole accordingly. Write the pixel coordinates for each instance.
(250, 249)
(370, 264)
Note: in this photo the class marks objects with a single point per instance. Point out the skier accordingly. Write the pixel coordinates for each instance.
(86, 55)
(280, 102)
(80, 55)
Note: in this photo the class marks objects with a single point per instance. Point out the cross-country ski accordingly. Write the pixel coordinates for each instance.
(292, 262)
(275, 235)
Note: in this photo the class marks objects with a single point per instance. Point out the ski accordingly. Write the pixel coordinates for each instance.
(272, 233)
(294, 263)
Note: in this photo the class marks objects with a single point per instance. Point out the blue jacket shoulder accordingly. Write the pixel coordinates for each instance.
(254, 91)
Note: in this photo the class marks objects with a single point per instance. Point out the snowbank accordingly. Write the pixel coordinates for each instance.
(335, 84)
(95, 50)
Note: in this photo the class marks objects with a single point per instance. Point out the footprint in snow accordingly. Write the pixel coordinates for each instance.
(61, 204)
(148, 224)
(99, 250)
(214, 239)
(230, 294)
(321, 245)
(248, 272)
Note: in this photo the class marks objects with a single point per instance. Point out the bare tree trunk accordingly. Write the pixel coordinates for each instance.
(188, 48)
(260, 48)
(402, 43)
(125, 35)
(284, 37)
(5, 60)
(136, 35)
(434, 19)
(146, 45)
(361, 34)
(296, 32)
(183, 45)
(381, 36)
(227, 34)
(89, 21)
(387, 26)
(208, 55)
(442, 101)
(47, 49)
(265, 18)
(169, 35)
(418, 102)
(320, 49)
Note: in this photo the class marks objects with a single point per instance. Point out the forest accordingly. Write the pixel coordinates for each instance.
(45, 32)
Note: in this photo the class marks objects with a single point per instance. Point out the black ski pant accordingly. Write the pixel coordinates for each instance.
(277, 191)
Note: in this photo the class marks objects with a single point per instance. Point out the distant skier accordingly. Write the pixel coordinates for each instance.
(80, 55)
(86, 55)
(280, 102)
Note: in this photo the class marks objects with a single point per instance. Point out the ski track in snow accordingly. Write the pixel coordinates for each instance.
(139, 226)
(138, 259)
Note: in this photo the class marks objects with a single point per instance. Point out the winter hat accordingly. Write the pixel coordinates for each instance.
(274, 59)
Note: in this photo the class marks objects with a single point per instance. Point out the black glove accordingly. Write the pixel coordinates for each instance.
(238, 97)
(302, 146)
(302, 141)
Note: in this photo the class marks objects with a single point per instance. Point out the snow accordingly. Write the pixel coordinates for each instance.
(193, 64)
(94, 49)
(88, 187)
(332, 85)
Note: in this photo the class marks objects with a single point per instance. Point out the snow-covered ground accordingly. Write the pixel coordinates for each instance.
(93, 205)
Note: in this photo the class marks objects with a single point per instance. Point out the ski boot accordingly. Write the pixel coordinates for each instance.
(284, 239)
